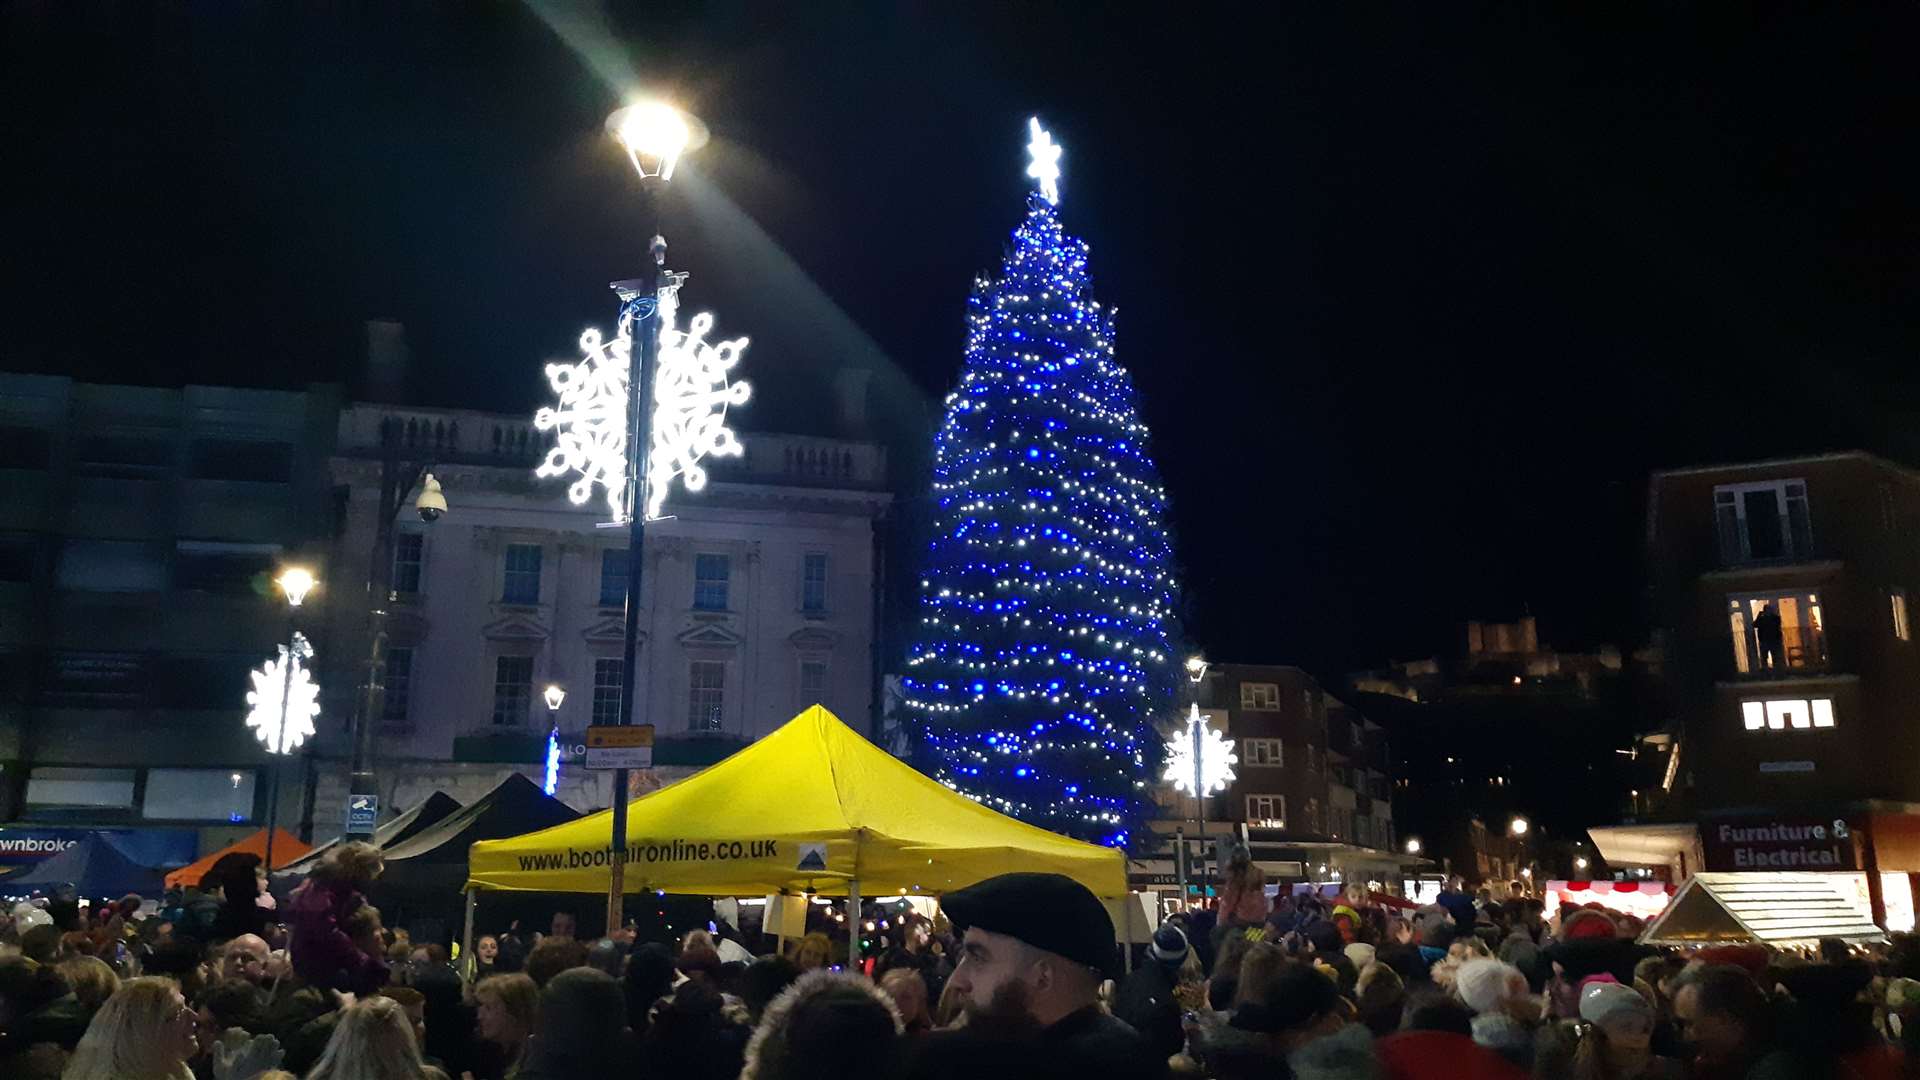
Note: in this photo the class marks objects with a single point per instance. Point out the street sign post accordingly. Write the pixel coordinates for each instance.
(620, 746)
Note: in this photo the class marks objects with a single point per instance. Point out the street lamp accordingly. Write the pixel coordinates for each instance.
(1200, 762)
(1519, 826)
(1580, 862)
(555, 696)
(397, 478)
(284, 699)
(643, 408)
(1413, 845)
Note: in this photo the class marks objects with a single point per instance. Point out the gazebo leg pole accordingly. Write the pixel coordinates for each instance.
(853, 925)
(466, 939)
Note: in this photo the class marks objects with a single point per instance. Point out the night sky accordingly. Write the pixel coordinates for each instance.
(1413, 299)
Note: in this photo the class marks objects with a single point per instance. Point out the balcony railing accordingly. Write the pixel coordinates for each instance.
(1797, 649)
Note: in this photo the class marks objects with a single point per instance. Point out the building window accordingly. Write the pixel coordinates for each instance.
(1781, 714)
(1897, 601)
(1774, 632)
(409, 550)
(813, 583)
(512, 690)
(1260, 696)
(813, 682)
(1260, 752)
(1267, 811)
(613, 578)
(25, 447)
(241, 459)
(1768, 520)
(1313, 815)
(399, 691)
(606, 689)
(198, 795)
(224, 569)
(521, 582)
(1314, 758)
(706, 695)
(110, 566)
(710, 577)
(80, 789)
(19, 556)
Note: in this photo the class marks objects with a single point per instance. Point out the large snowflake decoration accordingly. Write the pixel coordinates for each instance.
(1216, 756)
(691, 393)
(282, 732)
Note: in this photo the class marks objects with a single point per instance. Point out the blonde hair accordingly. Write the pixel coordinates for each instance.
(356, 862)
(127, 1039)
(373, 1041)
(1259, 970)
(815, 941)
(93, 980)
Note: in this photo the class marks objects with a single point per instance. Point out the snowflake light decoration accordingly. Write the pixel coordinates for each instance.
(1215, 750)
(691, 393)
(279, 733)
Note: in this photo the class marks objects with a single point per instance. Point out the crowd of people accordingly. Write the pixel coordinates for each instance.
(1019, 975)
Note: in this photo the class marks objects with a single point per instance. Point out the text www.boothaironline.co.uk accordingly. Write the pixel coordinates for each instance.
(665, 852)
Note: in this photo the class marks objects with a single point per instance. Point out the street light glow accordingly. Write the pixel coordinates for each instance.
(655, 134)
(296, 582)
(1519, 826)
(1413, 845)
(1580, 863)
(555, 696)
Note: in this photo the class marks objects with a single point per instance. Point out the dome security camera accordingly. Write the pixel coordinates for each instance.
(432, 502)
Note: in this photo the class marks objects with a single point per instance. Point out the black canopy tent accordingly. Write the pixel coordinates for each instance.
(421, 888)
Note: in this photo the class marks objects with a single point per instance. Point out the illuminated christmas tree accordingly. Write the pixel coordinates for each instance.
(1044, 651)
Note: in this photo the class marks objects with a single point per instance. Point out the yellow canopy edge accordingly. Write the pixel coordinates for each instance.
(812, 805)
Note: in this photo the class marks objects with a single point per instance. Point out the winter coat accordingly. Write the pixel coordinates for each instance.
(322, 953)
(1146, 1002)
(1095, 1044)
(1244, 900)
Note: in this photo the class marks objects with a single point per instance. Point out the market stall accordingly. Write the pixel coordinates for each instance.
(286, 848)
(1777, 908)
(1641, 899)
(812, 807)
(95, 868)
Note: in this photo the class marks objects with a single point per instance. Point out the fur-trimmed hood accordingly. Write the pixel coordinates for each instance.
(771, 1051)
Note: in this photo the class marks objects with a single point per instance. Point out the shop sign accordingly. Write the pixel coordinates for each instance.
(1783, 843)
(23, 845)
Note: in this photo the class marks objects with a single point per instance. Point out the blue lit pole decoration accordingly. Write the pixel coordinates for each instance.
(633, 436)
(284, 700)
(555, 696)
(1044, 650)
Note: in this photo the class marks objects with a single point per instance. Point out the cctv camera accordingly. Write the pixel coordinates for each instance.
(431, 503)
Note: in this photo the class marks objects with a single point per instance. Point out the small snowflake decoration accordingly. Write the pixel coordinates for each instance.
(690, 398)
(1217, 758)
(691, 393)
(590, 423)
(281, 734)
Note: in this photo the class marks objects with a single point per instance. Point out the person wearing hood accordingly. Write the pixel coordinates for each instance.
(238, 879)
(826, 1026)
(1040, 945)
(1146, 998)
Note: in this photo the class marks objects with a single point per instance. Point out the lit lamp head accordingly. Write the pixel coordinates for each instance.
(555, 697)
(296, 582)
(655, 134)
(1519, 826)
(1196, 668)
(1580, 863)
(1413, 845)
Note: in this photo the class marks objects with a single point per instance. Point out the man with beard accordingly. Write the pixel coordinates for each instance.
(1034, 950)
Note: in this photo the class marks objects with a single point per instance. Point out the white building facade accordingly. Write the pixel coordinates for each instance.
(759, 597)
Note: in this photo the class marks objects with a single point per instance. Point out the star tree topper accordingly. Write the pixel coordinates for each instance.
(691, 393)
(1046, 161)
(303, 700)
(1217, 758)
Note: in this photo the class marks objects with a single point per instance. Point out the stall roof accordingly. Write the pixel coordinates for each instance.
(1645, 845)
(810, 807)
(429, 812)
(435, 858)
(1772, 908)
(95, 867)
(284, 844)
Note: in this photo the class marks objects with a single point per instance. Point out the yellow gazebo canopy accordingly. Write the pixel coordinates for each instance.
(812, 805)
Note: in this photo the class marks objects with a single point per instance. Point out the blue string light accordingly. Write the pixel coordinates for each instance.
(1047, 615)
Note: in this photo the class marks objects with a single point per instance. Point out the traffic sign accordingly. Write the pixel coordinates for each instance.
(620, 746)
(363, 813)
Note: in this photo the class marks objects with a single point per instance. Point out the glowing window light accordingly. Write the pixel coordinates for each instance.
(691, 393)
(282, 734)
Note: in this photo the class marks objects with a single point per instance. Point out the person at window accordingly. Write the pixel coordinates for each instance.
(1766, 628)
